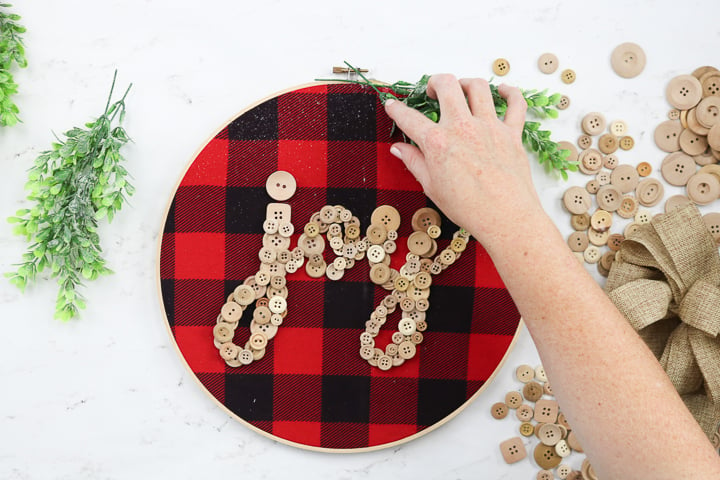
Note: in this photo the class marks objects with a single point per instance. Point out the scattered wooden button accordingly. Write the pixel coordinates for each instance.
(548, 63)
(501, 67)
(513, 450)
(628, 60)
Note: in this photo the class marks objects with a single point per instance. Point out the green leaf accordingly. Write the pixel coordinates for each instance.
(101, 213)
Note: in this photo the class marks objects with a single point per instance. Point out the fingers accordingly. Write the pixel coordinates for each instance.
(479, 97)
(413, 123)
(414, 160)
(449, 93)
(517, 106)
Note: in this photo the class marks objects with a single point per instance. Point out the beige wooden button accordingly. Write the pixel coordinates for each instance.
(546, 457)
(513, 450)
(628, 207)
(422, 280)
(379, 273)
(609, 197)
(262, 315)
(713, 137)
(577, 200)
(548, 63)
(546, 411)
(644, 169)
(676, 201)
(593, 123)
(618, 128)
(705, 158)
(499, 410)
(568, 76)
(610, 161)
(677, 168)
(562, 449)
(601, 220)
(315, 270)
(532, 391)
(563, 471)
(578, 241)
(229, 351)
(692, 143)
(592, 187)
(563, 103)
(270, 226)
(625, 178)
(334, 273)
(712, 222)
(311, 246)
(591, 161)
(573, 442)
(642, 217)
(547, 388)
(707, 112)
(674, 114)
(524, 413)
(387, 216)
(231, 311)
(526, 429)
(406, 350)
(588, 473)
(684, 92)
(245, 357)
(606, 260)
(626, 142)
(628, 60)
(711, 84)
(603, 178)
(277, 304)
(281, 185)
(580, 221)
(524, 373)
(614, 241)
(608, 143)
(513, 399)
(223, 333)
(258, 341)
(419, 243)
(384, 362)
(550, 434)
(501, 67)
(425, 217)
(649, 192)
(584, 141)
(591, 254)
(667, 136)
(545, 475)
(540, 374)
(703, 188)
(434, 231)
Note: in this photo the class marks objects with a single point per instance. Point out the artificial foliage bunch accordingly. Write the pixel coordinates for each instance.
(74, 185)
(540, 105)
(12, 52)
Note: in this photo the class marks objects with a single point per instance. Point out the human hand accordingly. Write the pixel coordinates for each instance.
(470, 163)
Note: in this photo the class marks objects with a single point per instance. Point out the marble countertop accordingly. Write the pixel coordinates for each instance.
(106, 397)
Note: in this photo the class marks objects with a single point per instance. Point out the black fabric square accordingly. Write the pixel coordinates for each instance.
(351, 116)
(245, 209)
(250, 396)
(170, 220)
(168, 289)
(360, 201)
(438, 399)
(259, 123)
(451, 308)
(348, 304)
(345, 399)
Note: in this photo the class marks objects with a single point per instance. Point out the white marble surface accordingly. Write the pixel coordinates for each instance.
(106, 397)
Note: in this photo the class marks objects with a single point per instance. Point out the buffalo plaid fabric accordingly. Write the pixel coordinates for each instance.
(312, 388)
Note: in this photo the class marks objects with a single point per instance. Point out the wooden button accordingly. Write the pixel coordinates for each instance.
(434, 231)
(526, 429)
(540, 374)
(568, 76)
(280, 185)
(703, 188)
(546, 457)
(524, 413)
(544, 475)
(584, 141)
(705, 158)
(386, 216)
(618, 128)
(547, 389)
(578, 241)
(588, 473)
(610, 161)
(513, 399)
(406, 350)
(591, 254)
(614, 241)
(603, 178)
(532, 391)
(608, 143)
(644, 169)
(692, 143)
(642, 217)
(379, 273)
(577, 200)
(549, 434)
(713, 138)
(625, 178)
(563, 103)
(712, 222)
(499, 410)
(422, 280)
(501, 67)
(258, 341)
(546, 411)
(277, 304)
(707, 112)
(573, 442)
(601, 220)
(628, 207)
(333, 273)
(424, 218)
(524, 373)
(591, 161)
(223, 333)
(628, 60)
(711, 84)
(593, 123)
(667, 136)
(676, 201)
(711, 169)
(580, 222)
(674, 114)
(626, 142)
(592, 187)
(677, 168)
(562, 449)
(513, 450)
(649, 192)
(419, 243)
(229, 351)
(684, 92)
(548, 63)
(609, 197)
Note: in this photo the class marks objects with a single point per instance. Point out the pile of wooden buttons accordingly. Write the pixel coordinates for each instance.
(618, 188)
(542, 418)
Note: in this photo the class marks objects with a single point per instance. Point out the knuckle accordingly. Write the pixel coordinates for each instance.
(442, 79)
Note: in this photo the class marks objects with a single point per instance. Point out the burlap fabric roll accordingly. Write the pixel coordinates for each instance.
(666, 281)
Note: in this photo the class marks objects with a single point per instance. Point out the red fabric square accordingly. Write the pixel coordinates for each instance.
(294, 156)
(381, 434)
(197, 347)
(298, 351)
(485, 273)
(391, 171)
(200, 208)
(305, 433)
(200, 255)
(209, 167)
(483, 354)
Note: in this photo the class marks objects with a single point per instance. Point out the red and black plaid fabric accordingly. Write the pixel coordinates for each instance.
(312, 388)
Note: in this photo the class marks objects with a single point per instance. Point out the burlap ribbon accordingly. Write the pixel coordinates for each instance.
(666, 281)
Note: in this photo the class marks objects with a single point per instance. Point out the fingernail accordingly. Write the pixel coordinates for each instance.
(389, 102)
(396, 151)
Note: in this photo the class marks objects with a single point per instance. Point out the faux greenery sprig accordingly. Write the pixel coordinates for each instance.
(75, 184)
(540, 105)
(11, 51)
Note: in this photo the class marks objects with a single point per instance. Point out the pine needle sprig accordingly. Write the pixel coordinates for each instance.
(12, 51)
(74, 185)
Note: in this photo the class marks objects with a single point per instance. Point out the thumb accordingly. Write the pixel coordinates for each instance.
(414, 160)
